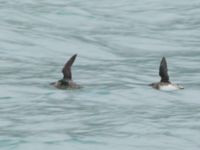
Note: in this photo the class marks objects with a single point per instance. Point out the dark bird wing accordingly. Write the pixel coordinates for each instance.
(163, 71)
(67, 68)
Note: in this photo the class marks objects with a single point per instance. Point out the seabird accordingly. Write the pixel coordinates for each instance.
(66, 81)
(165, 83)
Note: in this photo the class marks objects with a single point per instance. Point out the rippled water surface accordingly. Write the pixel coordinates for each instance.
(119, 45)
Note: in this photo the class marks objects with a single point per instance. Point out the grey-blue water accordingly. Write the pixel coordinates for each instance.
(119, 44)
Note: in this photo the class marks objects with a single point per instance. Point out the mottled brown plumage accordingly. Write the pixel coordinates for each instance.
(67, 81)
(67, 75)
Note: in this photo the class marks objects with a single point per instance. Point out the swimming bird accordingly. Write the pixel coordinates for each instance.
(165, 83)
(66, 81)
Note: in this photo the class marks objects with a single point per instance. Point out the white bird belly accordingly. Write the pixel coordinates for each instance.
(169, 87)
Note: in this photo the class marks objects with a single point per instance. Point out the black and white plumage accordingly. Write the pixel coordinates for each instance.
(165, 83)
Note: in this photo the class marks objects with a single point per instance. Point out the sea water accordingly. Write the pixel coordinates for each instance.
(119, 44)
